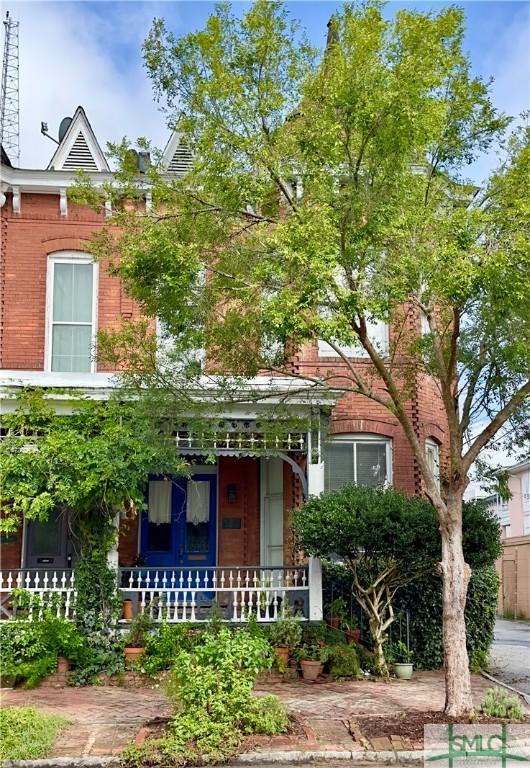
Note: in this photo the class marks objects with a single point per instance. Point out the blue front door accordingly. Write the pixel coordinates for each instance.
(179, 525)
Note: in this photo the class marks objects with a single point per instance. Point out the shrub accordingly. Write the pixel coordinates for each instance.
(161, 648)
(386, 538)
(30, 649)
(211, 688)
(26, 734)
(498, 703)
(423, 601)
(344, 662)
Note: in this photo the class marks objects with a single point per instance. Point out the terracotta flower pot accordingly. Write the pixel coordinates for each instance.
(282, 655)
(127, 610)
(133, 655)
(311, 669)
(63, 665)
(334, 622)
(353, 636)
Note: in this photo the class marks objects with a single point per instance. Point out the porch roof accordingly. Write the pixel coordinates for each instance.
(258, 392)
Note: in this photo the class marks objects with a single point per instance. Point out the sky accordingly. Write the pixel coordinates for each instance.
(89, 53)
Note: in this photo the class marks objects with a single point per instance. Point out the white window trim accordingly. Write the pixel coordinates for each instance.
(69, 257)
(367, 437)
(432, 445)
(354, 351)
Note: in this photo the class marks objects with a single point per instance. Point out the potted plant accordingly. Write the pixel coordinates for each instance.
(337, 611)
(312, 658)
(352, 630)
(285, 635)
(136, 638)
(402, 661)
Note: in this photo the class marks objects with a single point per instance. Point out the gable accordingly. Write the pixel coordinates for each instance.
(79, 149)
(177, 156)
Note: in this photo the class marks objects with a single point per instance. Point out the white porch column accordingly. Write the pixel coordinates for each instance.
(315, 463)
(112, 554)
(315, 589)
(315, 478)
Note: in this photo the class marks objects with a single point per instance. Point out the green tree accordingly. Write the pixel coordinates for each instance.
(92, 460)
(328, 192)
(386, 538)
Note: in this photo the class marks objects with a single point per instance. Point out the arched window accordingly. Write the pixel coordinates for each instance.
(364, 459)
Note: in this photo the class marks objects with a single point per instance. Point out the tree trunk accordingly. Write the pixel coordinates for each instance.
(456, 574)
(378, 639)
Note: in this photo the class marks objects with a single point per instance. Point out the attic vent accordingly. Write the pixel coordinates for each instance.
(181, 160)
(80, 155)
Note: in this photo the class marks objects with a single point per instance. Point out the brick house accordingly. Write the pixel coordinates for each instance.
(234, 538)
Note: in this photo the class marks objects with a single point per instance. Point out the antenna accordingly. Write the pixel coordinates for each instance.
(9, 111)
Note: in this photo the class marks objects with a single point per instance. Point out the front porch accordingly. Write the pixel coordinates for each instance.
(220, 536)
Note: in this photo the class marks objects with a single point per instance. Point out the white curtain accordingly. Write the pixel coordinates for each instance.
(198, 502)
(159, 502)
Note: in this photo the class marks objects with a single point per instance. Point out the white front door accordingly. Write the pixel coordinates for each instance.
(271, 512)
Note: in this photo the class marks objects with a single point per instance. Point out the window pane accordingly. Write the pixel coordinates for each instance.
(82, 293)
(159, 516)
(63, 276)
(371, 464)
(72, 348)
(197, 515)
(45, 537)
(72, 292)
(338, 466)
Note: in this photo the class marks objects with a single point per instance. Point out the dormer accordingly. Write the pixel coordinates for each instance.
(177, 157)
(79, 148)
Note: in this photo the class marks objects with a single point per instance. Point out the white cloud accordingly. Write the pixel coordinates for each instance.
(76, 53)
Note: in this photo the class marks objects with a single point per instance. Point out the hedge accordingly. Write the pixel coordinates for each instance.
(423, 601)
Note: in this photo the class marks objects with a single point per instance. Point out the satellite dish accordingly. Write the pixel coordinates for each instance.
(65, 125)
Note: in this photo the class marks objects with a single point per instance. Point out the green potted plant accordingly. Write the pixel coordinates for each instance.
(352, 630)
(337, 612)
(312, 658)
(136, 638)
(401, 658)
(285, 636)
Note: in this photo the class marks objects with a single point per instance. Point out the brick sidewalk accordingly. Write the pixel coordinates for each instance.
(105, 719)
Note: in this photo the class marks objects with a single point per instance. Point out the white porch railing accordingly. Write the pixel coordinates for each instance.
(168, 594)
(43, 590)
(187, 594)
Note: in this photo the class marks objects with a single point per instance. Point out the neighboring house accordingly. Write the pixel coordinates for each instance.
(514, 513)
(226, 530)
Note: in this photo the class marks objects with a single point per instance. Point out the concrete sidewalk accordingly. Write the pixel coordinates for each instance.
(106, 719)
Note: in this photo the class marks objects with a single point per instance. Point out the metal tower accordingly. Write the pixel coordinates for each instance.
(9, 114)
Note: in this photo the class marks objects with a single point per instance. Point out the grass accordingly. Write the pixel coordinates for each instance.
(26, 734)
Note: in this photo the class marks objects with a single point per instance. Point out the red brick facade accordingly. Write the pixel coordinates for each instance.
(29, 237)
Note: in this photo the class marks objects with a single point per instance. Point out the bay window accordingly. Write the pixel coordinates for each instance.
(361, 459)
(71, 313)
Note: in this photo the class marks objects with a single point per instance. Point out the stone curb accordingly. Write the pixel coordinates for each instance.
(311, 755)
(250, 758)
(63, 762)
(524, 696)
